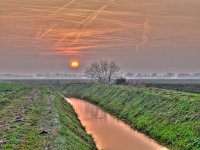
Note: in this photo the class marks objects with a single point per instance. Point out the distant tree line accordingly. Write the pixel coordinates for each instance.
(167, 75)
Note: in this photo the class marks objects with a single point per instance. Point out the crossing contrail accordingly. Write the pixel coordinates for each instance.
(90, 19)
(99, 12)
(54, 13)
(61, 40)
(61, 8)
(87, 21)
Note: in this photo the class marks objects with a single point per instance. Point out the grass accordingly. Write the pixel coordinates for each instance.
(170, 117)
(192, 87)
(38, 117)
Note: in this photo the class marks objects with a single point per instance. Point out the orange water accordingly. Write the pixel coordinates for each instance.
(110, 133)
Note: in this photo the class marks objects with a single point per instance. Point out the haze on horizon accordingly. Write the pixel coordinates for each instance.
(140, 35)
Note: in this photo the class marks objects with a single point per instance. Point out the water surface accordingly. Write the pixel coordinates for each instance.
(110, 133)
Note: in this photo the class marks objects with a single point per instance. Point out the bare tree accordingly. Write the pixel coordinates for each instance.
(102, 71)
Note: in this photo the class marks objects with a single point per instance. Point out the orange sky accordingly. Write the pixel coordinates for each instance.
(141, 35)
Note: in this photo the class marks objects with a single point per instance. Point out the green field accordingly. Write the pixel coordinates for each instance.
(35, 117)
(38, 117)
(185, 87)
(170, 117)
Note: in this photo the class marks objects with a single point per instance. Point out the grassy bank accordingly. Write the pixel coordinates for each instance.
(36, 118)
(192, 87)
(172, 118)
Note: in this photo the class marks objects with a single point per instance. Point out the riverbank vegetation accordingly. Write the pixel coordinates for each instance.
(170, 117)
(37, 117)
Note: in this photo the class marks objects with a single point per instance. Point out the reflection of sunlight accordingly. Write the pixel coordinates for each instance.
(94, 113)
(164, 148)
(108, 131)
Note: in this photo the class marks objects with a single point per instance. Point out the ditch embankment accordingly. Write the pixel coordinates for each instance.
(38, 117)
(170, 117)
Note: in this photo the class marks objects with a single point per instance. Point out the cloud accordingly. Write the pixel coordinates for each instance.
(145, 35)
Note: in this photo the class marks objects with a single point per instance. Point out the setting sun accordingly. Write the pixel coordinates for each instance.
(74, 64)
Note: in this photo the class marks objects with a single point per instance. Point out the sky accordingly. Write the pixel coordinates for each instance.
(45, 36)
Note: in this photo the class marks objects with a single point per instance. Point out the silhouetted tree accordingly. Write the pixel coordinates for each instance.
(102, 71)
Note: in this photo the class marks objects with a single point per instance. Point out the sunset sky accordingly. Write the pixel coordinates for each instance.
(140, 35)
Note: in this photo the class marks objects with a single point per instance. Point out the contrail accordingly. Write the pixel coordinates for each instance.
(145, 35)
(99, 12)
(61, 40)
(40, 35)
(94, 13)
(88, 20)
(45, 33)
(61, 8)
(91, 18)
(52, 14)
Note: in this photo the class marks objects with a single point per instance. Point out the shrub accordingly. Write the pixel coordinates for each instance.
(120, 81)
